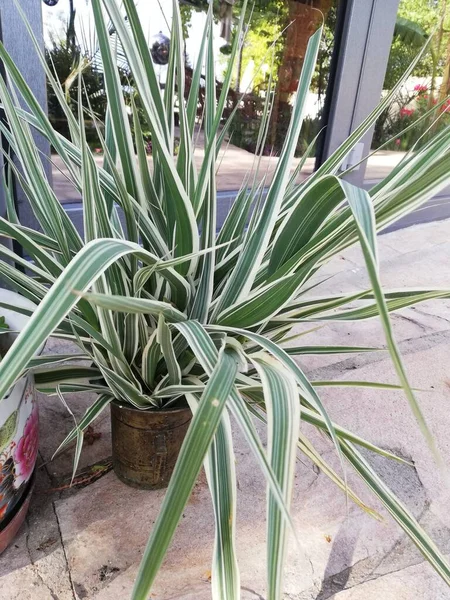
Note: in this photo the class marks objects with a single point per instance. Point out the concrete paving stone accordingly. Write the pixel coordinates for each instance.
(60, 346)
(235, 164)
(34, 567)
(431, 263)
(333, 536)
(113, 538)
(414, 583)
(418, 237)
(403, 255)
(355, 258)
(105, 527)
(336, 537)
(97, 443)
(402, 556)
(99, 532)
(26, 584)
(428, 269)
(426, 325)
(385, 417)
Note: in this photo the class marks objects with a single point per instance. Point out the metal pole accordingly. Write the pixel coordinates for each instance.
(3, 163)
(360, 65)
(19, 45)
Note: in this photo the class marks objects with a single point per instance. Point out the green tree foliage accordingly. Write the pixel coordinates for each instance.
(263, 43)
(421, 13)
(416, 21)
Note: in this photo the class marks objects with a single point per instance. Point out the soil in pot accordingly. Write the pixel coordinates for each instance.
(146, 443)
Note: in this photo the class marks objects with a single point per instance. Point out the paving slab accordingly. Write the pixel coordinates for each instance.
(55, 422)
(420, 260)
(412, 583)
(384, 416)
(113, 538)
(34, 567)
(235, 164)
(87, 543)
(97, 445)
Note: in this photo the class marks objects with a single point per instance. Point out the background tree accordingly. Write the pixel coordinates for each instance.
(67, 59)
(71, 38)
(303, 18)
(417, 20)
(297, 19)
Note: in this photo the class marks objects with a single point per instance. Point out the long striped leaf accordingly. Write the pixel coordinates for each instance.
(186, 239)
(298, 350)
(203, 347)
(221, 475)
(256, 245)
(398, 511)
(306, 389)
(363, 213)
(90, 415)
(84, 270)
(193, 451)
(164, 339)
(136, 306)
(283, 420)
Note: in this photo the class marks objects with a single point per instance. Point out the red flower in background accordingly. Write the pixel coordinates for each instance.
(420, 88)
(406, 112)
(27, 448)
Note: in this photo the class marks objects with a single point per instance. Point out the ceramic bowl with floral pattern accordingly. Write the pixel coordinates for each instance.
(19, 438)
(19, 421)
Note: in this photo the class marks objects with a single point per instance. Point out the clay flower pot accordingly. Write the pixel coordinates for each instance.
(19, 433)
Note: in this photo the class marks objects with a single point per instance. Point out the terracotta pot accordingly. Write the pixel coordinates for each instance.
(19, 424)
(146, 443)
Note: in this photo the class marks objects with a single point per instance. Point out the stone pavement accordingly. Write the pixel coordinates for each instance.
(86, 542)
(235, 165)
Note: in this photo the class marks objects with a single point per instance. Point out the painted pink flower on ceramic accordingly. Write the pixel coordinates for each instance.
(27, 447)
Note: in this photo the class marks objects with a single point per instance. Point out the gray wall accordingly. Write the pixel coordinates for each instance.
(19, 45)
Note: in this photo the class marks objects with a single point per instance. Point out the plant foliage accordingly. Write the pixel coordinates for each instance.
(164, 306)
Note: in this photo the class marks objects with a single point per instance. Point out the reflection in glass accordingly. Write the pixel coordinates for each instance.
(423, 99)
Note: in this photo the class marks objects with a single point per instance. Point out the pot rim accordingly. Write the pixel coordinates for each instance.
(18, 326)
(124, 406)
(22, 320)
(23, 381)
